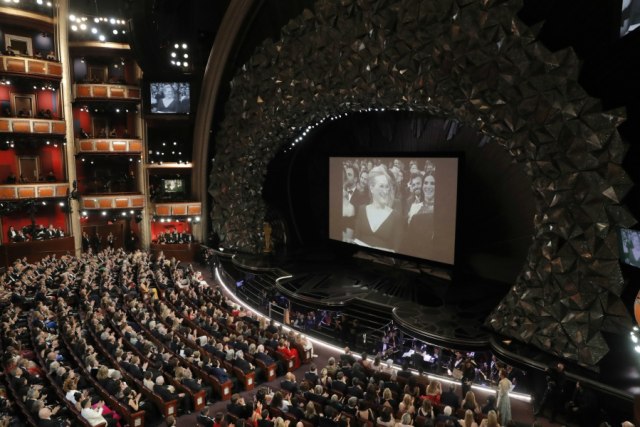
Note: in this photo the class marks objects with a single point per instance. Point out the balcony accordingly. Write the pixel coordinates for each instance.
(177, 209)
(115, 201)
(33, 126)
(88, 91)
(27, 66)
(33, 191)
(104, 146)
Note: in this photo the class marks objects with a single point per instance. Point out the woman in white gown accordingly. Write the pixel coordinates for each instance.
(504, 403)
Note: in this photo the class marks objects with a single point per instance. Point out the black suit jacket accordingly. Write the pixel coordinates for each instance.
(49, 423)
(268, 360)
(290, 386)
(339, 386)
(164, 392)
(241, 411)
(243, 365)
(192, 384)
(135, 371)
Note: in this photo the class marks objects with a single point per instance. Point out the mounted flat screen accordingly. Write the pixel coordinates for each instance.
(173, 185)
(403, 205)
(630, 246)
(169, 98)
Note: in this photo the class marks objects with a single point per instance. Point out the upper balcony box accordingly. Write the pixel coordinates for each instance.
(30, 67)
(103, 146)
(33, 126)
(88, 91)
(34, 190)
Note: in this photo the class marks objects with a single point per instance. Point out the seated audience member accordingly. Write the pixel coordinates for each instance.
(364, 412)
(45, 420)
(352, 406)
(385, 419)
(490, 405)
(491, 420)
(405, 421)
(426, 410)
(290, 383)
(388, 400)
(332, 367)
(446, 417)
(311, 415)
(469, 420)
(448, 398)
(12, 234)
(168, 394)
(94, 416)
(204, 419)
(238, 407)
(469, 402)
(339, 384)
(278, 401)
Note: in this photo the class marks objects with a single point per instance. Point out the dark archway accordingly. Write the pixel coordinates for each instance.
(474, 62)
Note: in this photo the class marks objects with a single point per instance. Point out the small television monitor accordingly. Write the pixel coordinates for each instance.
(405, 205)
(629, 246)
(169, 98)
(173, 186)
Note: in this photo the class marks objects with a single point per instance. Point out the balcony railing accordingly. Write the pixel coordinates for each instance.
(33, 191)
(106, 91)
(30, 66)
(178, 209)
(35, 126)
(102, 145)
(115, 201)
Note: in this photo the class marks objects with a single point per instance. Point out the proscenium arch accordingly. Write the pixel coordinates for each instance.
(474, 62)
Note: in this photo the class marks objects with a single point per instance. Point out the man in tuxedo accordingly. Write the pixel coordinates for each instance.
(241, 363)
(450, 398)
(446, 417)
(312, 374)
(339, 383)
(12, 234)
(238, 407)
(167, 394)
(45, 419)
(316, 395)
(355, 389)
(361, 194)
(133, 367)
(196, 385)
(290, 383)
(218, 372)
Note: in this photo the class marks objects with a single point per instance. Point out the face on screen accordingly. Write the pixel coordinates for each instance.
(380, 190)
(415, 185)
(349, 177)
(400, 191)
(167, 91)
(364, 178)
(429, 187)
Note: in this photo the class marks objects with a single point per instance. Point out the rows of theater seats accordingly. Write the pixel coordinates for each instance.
(83, 339)
(142, 339)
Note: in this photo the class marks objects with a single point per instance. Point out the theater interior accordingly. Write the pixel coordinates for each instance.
(427, 182)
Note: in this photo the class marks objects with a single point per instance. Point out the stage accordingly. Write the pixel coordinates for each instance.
(444, 312)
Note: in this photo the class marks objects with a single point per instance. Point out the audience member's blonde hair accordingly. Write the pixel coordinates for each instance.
(492, 419)
(468, 418)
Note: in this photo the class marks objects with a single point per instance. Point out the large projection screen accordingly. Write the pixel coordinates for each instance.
(404, 205)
